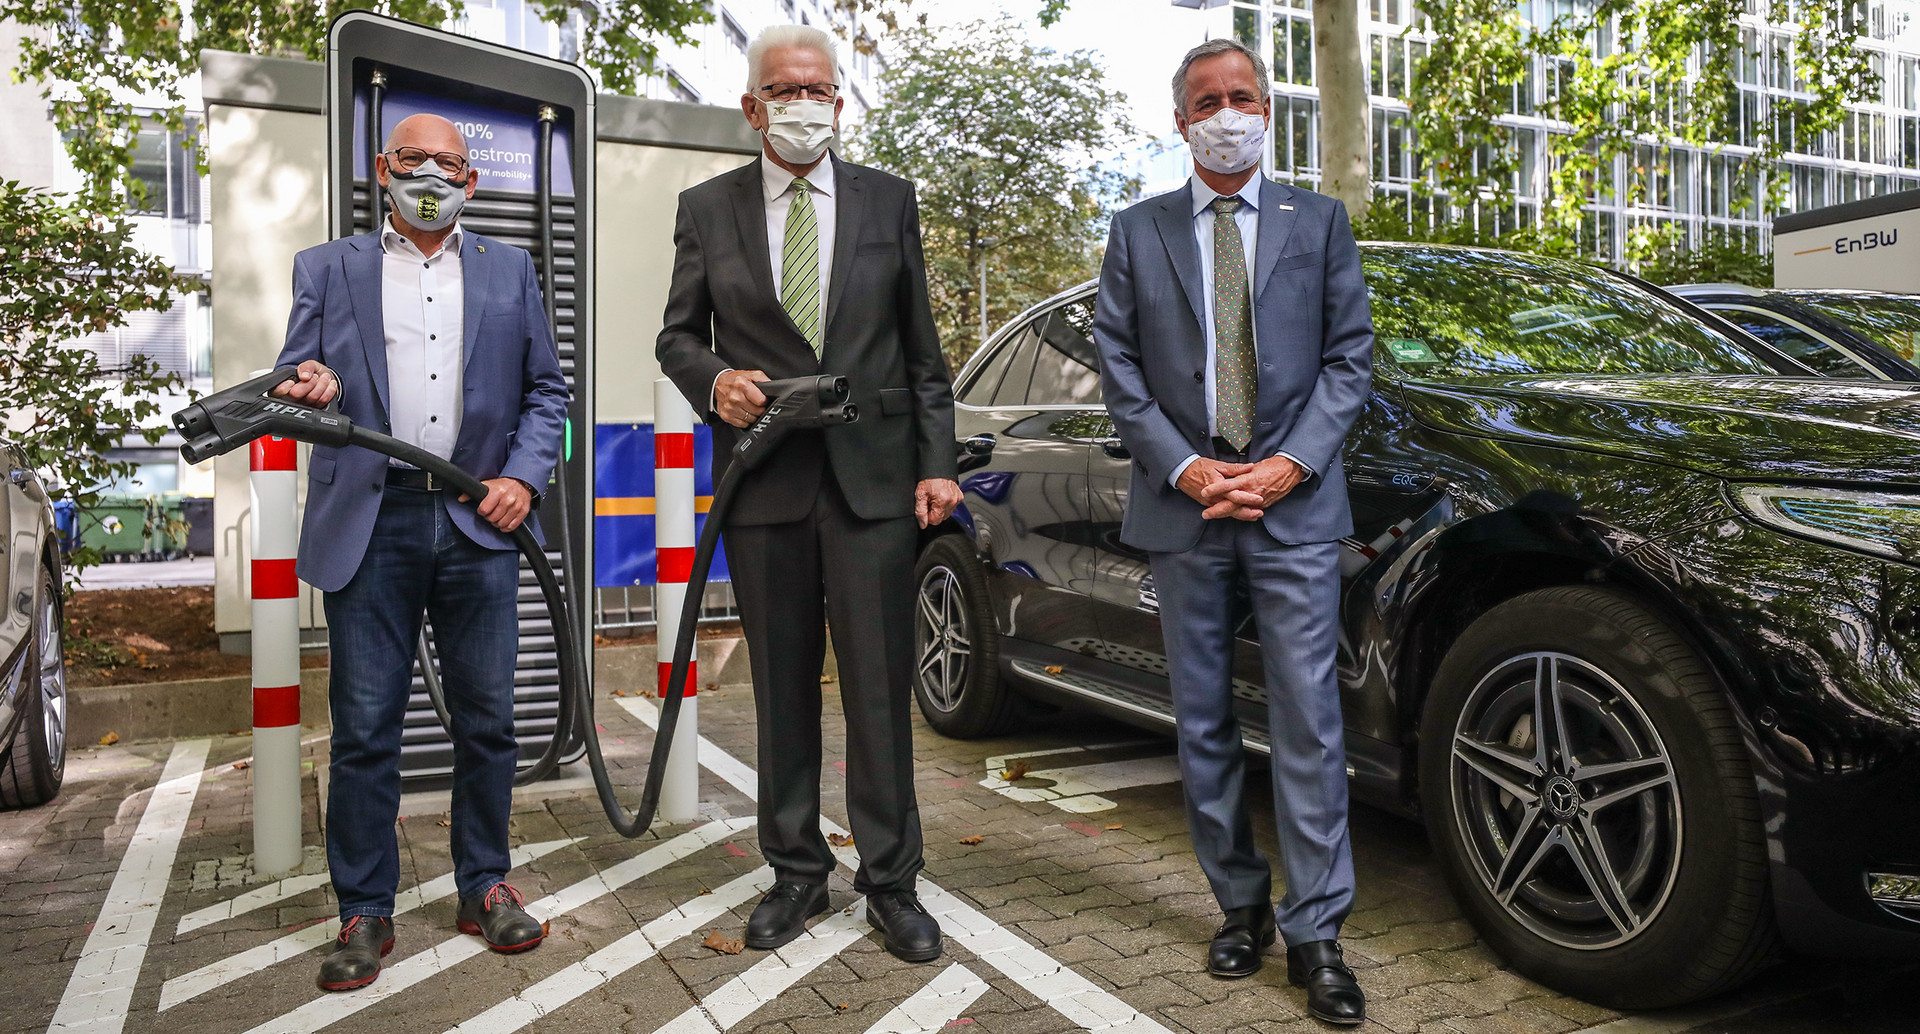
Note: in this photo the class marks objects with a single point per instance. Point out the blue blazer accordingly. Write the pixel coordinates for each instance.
(1314, 335)
(513, 401)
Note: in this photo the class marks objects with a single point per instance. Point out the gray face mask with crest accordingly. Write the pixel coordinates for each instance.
(427, 198)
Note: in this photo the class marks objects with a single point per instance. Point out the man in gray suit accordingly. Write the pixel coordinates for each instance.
(793, 265)
(1236, 344)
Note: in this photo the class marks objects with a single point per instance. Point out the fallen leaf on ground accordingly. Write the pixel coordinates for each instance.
(842, 1005)
(1054, 669)
(242, 765)
(706, 892)
(446, 822)
(825, 679)
(724, 945)
(1116, 826)
(839, 840)
(711, 686)
(1017, 770)
(600, 640)
(619, 692)
(110, 739)
(972, 840)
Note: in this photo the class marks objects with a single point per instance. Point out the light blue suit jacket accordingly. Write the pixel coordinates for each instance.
(513, 401)
(1314, 335)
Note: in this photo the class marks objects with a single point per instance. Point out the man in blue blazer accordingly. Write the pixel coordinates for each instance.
(438, 337)
(1236, 347)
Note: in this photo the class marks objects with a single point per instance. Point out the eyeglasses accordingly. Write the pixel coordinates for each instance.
(799, 91)
(409, 159)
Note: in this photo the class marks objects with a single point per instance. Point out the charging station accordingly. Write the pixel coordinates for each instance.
(529, 123)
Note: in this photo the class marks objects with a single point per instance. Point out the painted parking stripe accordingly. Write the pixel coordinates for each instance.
(1058, 986)
(609, 962)
(188, 986)
(740, 997)
(102, 983)
(935, 1005)
(259, 897)
(1077, 788)
(318, 1013)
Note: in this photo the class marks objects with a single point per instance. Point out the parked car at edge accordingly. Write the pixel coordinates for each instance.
(1858, 334)
(1629, 620)
(33, 670)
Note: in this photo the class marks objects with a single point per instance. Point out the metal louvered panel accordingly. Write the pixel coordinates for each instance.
(426, 752)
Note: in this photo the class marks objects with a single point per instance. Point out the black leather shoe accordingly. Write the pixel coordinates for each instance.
(910, 933)
(501, 918)
(783, 913)
(1237, 945)
(355, 961)
(1333, 995)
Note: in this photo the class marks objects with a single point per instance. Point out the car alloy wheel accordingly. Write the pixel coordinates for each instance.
(1565, 796)
(53, 679)
(942, 638)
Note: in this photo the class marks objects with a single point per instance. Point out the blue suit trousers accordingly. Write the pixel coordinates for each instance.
(1295, 595)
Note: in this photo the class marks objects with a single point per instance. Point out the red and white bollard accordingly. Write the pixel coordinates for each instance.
(276, 656)
(674, 539)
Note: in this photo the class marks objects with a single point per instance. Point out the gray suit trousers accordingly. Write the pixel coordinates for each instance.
(1295, 594)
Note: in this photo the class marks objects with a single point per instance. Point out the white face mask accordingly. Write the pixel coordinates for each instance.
(1229, 142)
(799, 130)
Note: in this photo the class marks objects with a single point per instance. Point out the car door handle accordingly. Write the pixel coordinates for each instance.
(20, 475)
(978, 445)
(1115, 448)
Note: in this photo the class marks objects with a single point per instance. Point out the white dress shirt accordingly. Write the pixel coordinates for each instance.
(1247, 217)
(422, 303)
(776, 185)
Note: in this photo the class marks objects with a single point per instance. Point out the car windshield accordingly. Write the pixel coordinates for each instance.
(1890, 320)
(1441, 312)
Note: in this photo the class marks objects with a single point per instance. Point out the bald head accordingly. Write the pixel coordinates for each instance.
(428, 132)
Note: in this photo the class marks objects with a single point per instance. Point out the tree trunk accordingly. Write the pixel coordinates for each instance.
(1346, 115)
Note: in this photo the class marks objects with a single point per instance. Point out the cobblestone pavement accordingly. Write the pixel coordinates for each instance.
(1084, 909)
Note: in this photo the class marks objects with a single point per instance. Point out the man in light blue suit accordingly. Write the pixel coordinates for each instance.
(438, 337)
(1236, 347)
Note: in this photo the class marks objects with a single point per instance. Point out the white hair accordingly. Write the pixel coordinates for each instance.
(790, 36)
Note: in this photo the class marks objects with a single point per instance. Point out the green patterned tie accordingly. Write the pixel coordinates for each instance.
(1235, 380)
(800, 266)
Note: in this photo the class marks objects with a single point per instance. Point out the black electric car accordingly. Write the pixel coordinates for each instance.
(1629, 620)
(1862, 334)
(33, 670)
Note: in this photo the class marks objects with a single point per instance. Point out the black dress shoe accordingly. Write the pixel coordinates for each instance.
(1237, 945)
(910, 933)
(783, 913)
(1333, 995)
(501, 918)
(355, 961)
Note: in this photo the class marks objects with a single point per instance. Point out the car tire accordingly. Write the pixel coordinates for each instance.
(36, 760)
(956, 653)
(1658, 774)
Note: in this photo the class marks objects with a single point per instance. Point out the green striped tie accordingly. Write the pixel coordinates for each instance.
(800, 266)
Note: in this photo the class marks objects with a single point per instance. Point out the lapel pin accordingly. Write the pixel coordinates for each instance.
(483, 248)
(1283, 208)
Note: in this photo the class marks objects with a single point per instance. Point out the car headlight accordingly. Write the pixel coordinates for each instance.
(1881, 523)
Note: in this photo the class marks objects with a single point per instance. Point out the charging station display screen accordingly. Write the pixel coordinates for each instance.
(501, 142)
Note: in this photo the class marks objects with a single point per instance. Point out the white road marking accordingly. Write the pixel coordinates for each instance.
(188, 986)
(1077, 789)
(327, 1009)
(935, 1005)
(259, 897)
(740, 997)
(1072, 995)
(616, 958)
(101, 986)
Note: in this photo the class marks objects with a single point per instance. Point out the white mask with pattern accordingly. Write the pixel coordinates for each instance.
(1229, 142)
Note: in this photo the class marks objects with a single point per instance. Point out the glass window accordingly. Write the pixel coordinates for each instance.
(1066, 369)
(1891, 320)
(1797, 342)
(1017, 357)
(978, 389)
(1442, 312)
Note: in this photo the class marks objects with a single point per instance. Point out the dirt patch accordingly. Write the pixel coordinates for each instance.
(117, 636)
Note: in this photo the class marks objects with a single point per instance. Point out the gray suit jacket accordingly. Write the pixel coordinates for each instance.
(722, 311)
(1313, 331)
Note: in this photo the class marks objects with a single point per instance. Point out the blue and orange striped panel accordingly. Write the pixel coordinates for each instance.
(623, 503)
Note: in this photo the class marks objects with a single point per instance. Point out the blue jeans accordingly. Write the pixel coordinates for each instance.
(418, 563)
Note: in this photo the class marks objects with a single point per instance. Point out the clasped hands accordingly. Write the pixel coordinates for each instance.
(1242, 491)
(739, 401)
